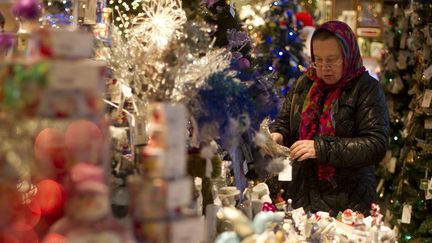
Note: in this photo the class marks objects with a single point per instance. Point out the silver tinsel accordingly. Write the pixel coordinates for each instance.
(162, 57)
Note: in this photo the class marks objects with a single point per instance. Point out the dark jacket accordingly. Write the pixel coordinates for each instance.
(362, 128)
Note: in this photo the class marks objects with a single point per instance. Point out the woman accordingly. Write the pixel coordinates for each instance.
(335, 122)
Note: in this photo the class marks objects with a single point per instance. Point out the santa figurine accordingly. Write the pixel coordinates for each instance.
(88, 216)
(280, 202)
(348, 217)
(375, 214)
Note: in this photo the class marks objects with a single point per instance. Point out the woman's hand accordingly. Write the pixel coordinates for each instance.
(302, 150)
(277, 137)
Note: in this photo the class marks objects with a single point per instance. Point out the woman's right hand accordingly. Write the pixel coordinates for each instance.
(277, 137)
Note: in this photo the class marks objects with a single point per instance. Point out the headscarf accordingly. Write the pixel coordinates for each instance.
(321, 97)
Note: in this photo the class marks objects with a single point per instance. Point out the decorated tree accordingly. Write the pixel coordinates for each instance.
(277, 46)
(405, 174)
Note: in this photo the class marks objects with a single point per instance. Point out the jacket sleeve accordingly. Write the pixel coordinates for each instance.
(282, 121)
(372, 126)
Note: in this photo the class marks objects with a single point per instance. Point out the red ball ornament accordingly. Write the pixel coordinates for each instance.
(49, 197)
(49, 147)
(54, 238)
(26, 217)
(83, 140)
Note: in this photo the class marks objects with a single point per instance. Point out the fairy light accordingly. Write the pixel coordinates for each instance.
(252, 14)
(124, 11)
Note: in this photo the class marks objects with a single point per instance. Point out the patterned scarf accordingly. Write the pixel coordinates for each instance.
(321, 97)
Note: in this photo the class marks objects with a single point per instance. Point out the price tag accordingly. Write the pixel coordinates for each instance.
(286, 173)
(71, 44)
(429, 190)
(428, 123)
(428, 73)
(179, 193)
(232, 11)
(140, 134)
(76, 75)
(403, 40)
(427, 98)
(391, 167)
(406, 214)
(424, 184)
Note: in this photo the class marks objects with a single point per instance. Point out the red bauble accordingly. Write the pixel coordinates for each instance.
(49, 197)
(49, 147)
(54, 238)
(83, 140)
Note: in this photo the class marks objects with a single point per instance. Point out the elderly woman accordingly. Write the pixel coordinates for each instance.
(335, 122)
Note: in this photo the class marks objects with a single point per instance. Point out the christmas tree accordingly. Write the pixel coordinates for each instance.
(278, 48)
(405, 186)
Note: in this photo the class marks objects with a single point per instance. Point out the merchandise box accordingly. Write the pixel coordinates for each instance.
(54, 43)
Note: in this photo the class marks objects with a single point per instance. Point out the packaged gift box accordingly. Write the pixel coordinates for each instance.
(56, 43)
(165, 154)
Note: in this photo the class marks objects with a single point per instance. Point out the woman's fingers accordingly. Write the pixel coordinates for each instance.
(302, 150)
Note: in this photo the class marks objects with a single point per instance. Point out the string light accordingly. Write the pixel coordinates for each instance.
(124, 12)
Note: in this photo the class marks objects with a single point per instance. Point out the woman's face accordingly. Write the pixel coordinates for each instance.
(328, 60)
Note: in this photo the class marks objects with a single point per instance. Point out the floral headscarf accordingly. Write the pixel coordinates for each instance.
(321, 96)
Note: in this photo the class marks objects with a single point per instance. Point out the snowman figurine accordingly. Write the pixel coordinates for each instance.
(88, 216)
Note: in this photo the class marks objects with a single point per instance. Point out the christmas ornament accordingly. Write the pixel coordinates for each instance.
(49, 148)
(88, 213)
(243, 63)
(161, 21)
(49, 197)
(27, 9)
(84, 141)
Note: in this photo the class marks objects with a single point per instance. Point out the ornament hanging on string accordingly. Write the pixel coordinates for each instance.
(27, 12)
(424, 182)
(410, 157)
(27, 9)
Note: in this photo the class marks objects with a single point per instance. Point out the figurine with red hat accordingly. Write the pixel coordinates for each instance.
(307, 27)
(88, 213)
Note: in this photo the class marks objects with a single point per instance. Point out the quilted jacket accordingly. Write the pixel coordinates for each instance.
(362, 128)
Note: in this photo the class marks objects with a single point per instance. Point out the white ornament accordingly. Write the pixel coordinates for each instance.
(161, 21)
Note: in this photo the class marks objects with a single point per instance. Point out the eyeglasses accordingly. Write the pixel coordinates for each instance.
(329, 63)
